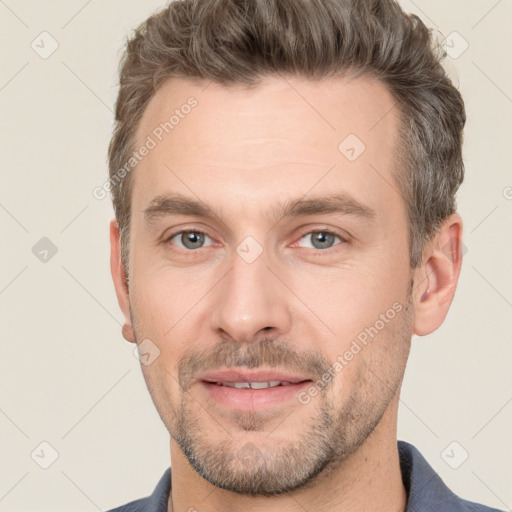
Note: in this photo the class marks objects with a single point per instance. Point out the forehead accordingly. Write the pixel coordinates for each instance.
(287, 134)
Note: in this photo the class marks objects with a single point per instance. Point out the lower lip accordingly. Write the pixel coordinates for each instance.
(251, 399)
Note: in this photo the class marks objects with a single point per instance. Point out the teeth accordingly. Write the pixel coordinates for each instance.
(252, 385)
(262, 385)
(238, 385)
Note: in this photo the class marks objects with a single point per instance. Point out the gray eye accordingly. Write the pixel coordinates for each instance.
(321, 239)
(190, 239)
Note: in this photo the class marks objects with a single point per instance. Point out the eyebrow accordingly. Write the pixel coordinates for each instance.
(339, 203)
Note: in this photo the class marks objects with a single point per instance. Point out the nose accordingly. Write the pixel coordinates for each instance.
(251, 302)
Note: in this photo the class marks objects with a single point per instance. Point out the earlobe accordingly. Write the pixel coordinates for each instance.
(120, 281)
(438, 276)
(128, 332)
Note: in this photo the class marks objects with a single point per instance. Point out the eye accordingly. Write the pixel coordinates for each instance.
(190, 239)
(320, 239)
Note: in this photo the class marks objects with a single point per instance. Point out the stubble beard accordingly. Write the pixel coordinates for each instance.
(277, 463)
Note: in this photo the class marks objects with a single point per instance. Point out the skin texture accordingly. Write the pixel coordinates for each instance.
(295, 307)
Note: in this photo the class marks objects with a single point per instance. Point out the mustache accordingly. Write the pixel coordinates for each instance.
(268, 353)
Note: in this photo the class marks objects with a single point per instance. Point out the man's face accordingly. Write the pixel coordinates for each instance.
(292, 266)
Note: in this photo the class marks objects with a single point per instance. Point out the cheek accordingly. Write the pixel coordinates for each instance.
(163, 388)
(161, 314)
(370, 361)
(153, 308)
(363, 305)
(163, 300)
(352, 297)
(170, 310)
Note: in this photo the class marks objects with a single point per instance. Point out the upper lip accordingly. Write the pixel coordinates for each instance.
(251, 376)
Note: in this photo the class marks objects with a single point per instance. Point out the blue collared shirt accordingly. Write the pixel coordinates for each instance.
(425, 490)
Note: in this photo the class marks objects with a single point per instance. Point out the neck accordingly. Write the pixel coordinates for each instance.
(370, 479)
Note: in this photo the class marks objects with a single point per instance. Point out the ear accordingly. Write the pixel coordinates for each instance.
(436, 279)
(120, 282)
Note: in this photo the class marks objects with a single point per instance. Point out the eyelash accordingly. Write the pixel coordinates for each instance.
(321, 252)
(316, 252)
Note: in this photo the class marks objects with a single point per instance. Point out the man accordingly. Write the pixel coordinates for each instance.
(283, 175)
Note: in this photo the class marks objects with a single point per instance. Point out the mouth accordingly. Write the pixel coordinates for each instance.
(250, 391)
(255, 385)
(272, 377)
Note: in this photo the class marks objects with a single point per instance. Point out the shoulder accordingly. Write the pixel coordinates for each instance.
(426, 490)
(140, 505)
(157, 502)
(470, 506)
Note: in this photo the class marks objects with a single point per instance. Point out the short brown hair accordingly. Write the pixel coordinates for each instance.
(242, 41)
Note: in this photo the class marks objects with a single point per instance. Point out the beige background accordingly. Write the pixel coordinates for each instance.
(66, 375)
